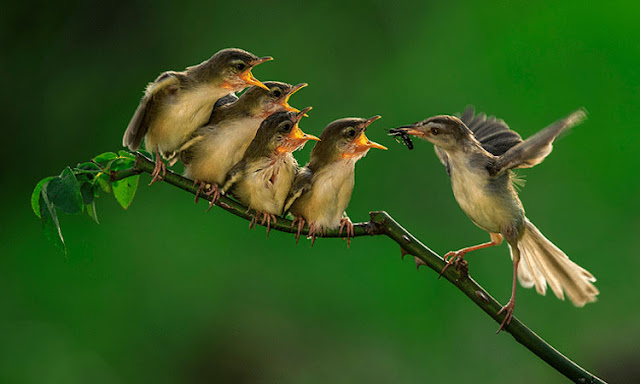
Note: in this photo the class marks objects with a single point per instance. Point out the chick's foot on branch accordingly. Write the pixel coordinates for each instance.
(300, 221)
(345, 223)
(160, 168)
(267, 218)
(314, 231)
(212, 190)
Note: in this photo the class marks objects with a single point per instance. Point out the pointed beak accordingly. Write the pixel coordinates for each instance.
(296, 138)
(248, 77)
(285, 102)
(407, 130)
(362, 143)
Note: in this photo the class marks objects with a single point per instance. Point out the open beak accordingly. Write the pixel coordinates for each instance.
(362, 142)
(296, 137)
(248, 77)
(285, 102)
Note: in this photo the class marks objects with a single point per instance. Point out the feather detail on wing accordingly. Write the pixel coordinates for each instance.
(534, 150)
(301, 184)
(166, 83)
(493, 134)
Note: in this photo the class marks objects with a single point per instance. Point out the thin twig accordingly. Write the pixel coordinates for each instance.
(383, 224)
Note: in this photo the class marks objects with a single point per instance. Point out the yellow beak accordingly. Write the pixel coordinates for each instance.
(362, 142)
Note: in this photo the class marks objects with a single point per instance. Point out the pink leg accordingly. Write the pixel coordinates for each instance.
(508, 309)
(300, 222)
(214, 193)
(452, 256)
(345, 222)
(160, 167)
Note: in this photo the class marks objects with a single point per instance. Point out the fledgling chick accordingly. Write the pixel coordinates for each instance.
(263, 178)
(479, 155)
(322, 189)
(177, 103)
(216, 147)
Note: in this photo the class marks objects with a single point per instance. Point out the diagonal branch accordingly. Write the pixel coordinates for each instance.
(383, 224)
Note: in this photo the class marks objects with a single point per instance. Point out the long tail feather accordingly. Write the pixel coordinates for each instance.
(543, 263)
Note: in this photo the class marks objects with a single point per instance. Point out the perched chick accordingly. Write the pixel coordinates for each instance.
(177, 103)
(263, 178)
(322, 189)
(219, 145)
(479, 154)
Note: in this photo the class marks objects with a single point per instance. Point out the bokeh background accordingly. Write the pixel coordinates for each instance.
(167, 293)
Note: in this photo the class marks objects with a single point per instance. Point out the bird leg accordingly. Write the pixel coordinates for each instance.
(345, 222)
(508, 309)
(268, 217)
(213, 191)
(300, 221)
(314, 231)
(160, 167)
(455, 256)
(201, 186)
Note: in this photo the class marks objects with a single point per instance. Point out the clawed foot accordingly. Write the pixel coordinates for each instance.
(508, 314)
(300, 221)
(201, 187)
(314, 231)
(345, 223)
(212, 190)
(452, 257)
(266, 218)
(160, 168)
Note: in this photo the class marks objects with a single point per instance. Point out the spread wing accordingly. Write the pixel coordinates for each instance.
(534, 150)
(493, 134)
(166, 84)
(301, 184)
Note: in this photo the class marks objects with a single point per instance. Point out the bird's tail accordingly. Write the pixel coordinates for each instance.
(543, 263)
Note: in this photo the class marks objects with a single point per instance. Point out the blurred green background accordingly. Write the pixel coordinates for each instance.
(167, 293)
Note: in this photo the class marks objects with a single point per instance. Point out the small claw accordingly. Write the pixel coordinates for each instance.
(508, 309)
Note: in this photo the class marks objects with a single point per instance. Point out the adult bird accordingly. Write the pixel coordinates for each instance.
(322, 189)
(220, 144)
(479, 154)
(263, 178)
(177, 103)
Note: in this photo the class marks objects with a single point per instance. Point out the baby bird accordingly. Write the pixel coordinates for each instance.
(177, 103)
(263, 178)
(322, 189)
(479, 155)
(216, 147)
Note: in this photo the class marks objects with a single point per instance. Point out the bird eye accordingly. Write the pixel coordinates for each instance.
(351, 132)
(276, 93)
(240, 66)
(286, 127)
(435, 131)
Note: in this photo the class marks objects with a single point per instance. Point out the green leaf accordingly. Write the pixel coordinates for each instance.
(50, 222)
(88, 166)
(126, 154)
(124, 190)
(35, 195)
(91, 211)
(87, 193)
(64, 192)
(104, 182)
(104, 158)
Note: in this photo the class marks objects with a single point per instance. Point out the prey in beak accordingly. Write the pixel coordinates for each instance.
(295, 139)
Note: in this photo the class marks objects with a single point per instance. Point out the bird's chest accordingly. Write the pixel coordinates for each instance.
(330, 194)
(182, 115)
(486, 201)
(266, 184)
(222, 148)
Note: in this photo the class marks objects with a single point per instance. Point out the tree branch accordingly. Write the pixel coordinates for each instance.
(383, 224)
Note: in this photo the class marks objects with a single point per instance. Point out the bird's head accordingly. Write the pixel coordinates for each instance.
(344, 139)
(443, 131)
(232, 68)
(280, 134)
(265, 102)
